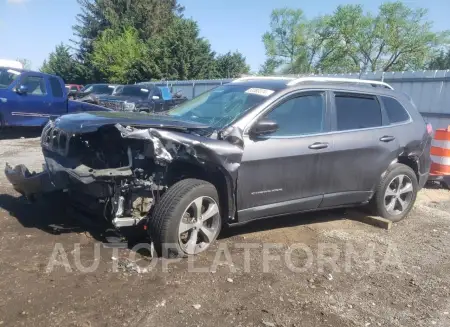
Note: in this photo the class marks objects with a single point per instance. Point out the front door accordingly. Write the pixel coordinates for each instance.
(284, 172)
(34, 107)
(158, 103)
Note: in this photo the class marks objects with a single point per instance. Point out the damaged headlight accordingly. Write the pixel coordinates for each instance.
(129, 106)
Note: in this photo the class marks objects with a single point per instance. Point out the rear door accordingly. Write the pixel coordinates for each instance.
(364, 146)
(284, 172)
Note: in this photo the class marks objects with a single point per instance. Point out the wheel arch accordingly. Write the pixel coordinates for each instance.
(223, 183)
(409, 161)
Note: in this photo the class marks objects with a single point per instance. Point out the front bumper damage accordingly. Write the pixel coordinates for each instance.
(105, 186)
(56, 177)
(27, 183)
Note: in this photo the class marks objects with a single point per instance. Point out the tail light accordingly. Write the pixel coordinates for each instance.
(429, 129)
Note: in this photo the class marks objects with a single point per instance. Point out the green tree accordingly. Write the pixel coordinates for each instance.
(285, 42)
(231, 65)
(441, 61)
(162, 44)
(120, 55)
(62, 63)
(180, 53)
(295, 44)
(396, 38)
(149, 17)
(269, 67)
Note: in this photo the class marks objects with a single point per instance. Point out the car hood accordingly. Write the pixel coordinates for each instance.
(97, 94)
(120, 98)
(88, 122)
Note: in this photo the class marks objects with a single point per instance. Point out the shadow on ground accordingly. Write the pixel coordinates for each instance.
(283, 222)
(50, 216)
(53, 217)
(436, 185)
(19, 132)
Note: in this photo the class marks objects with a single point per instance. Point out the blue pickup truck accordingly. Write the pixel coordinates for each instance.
(30, 98)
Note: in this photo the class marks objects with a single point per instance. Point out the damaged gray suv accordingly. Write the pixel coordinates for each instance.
(254, 148)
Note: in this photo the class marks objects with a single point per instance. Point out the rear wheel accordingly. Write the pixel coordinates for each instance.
(186, 220)
(396, 193)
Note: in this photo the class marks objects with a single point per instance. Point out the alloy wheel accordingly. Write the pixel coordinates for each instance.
(398, 195)
(199, 225)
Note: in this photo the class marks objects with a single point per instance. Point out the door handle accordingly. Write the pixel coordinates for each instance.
(318, 146)
(387, 138)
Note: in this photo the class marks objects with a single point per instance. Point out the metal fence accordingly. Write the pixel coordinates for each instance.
(430, 90)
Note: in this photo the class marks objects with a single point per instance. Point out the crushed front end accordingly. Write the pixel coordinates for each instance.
(116, 172)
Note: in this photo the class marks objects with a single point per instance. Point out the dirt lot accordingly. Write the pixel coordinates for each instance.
(353, 274)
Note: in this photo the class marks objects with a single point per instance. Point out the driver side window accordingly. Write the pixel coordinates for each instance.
(301, 115)
(35, 84)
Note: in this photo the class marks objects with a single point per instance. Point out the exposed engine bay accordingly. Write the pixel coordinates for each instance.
(128, 179)
(120, 173)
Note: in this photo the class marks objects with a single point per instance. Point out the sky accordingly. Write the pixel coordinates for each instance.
(32, 28)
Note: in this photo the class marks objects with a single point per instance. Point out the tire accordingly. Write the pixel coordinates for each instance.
(379, 204)
(173, 208)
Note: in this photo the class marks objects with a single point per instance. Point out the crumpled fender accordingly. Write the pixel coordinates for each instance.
(204, 150)
(170, 145)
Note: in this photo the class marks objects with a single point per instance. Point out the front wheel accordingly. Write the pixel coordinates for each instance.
(186, 220)
(396, 193)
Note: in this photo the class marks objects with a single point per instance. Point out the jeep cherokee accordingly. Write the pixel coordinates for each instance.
(254, 148)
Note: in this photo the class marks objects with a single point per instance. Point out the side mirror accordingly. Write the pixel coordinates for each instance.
(155, 97)
(22, 89)
(264, 127)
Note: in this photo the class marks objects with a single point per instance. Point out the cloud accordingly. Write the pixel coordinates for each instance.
(16, 2)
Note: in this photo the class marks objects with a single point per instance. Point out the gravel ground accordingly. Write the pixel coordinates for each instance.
(320, 269)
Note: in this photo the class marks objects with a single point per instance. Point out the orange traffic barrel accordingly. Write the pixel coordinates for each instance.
(440, 153)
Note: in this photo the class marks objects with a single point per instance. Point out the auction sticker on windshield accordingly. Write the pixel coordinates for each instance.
(258, 91)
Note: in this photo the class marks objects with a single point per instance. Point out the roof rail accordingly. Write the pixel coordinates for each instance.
(339, 80)
(273, 78)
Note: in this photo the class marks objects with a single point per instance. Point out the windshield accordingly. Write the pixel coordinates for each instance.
(99, 89)
(221, 106)
(7, 76)
(103, 89)
(87, 87)
(132, 90)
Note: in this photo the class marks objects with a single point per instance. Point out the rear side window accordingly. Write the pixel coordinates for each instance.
(357, 112)
(395, 111)
(57, 91)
